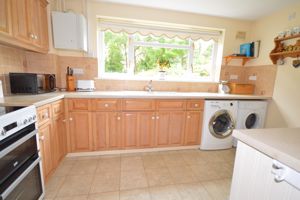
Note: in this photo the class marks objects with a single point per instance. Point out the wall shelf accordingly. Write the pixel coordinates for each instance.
(243, 58)
(279, 51)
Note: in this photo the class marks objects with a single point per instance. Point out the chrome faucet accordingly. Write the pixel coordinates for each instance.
(149, 87)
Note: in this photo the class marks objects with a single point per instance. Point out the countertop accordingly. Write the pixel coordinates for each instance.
(42, 99)
(282, 144)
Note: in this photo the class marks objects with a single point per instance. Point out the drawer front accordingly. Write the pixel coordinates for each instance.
(79, 104)
(171, 105)
(106, 104)
(138, 104)
(195, 104)
(44, 114)
(57, 108)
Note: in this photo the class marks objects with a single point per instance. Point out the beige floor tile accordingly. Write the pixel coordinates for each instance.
(106, 182)
(174, 159)
(108, 164)
(165, 193)
(218, 189)
(81, 197)
(138, 194)
(75, 185)
(158, 176)
(104, 196)
(88, 157)
(193, 191)
(210, 156)
(53, 186)
(193, 158)
(182, 174)
(133, 163)
(63, 170)
(224, 170)
(133, 180)
(151, 161)
(205, 172)
(82, 167)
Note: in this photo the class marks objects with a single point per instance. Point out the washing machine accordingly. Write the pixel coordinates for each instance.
(251, 115)
(218, 123)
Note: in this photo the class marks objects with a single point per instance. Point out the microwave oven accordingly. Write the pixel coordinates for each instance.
(31, 83)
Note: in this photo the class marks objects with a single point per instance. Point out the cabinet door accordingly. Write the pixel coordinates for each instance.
(193, 128)
(5, 17)
(80, 131)
(170, 128)
(19, 20)
(33, 19)
(130, 130)
(146, 129)
(46, 149)
(43, 37)
(107, 130)
(59, 140)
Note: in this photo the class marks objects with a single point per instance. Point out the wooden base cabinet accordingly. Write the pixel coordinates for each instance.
(193, 127)
(59, 139)
(107, 128)
(80, 131)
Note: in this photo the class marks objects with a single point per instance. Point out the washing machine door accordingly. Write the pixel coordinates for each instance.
(221, 124)
(251, 121)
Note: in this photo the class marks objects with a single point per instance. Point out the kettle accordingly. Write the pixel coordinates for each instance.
(223, 87)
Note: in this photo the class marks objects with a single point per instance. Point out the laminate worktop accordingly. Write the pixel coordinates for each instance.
(282, 144)
(42, 99)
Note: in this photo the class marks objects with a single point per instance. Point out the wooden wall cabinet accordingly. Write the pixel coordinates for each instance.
(24, 24)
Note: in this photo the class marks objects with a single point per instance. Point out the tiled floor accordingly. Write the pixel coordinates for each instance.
(168, 175)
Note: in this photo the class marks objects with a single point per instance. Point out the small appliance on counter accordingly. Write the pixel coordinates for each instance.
(31, 83)
(85, 86)
(223, 87)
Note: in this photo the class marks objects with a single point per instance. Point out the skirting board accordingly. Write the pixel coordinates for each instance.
(128, 151)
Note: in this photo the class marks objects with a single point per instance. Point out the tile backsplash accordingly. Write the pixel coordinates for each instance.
(16, 60)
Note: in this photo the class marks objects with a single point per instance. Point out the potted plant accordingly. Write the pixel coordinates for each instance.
(164, 64)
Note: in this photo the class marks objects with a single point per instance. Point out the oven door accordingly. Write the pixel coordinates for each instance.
(25, 184)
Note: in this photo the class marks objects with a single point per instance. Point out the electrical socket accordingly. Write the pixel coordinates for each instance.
(233, 77)
(78, 71)
(252, 78)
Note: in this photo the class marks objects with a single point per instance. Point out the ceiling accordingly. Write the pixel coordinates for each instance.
(238, 9)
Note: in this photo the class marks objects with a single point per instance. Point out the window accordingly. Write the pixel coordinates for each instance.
(147, 56)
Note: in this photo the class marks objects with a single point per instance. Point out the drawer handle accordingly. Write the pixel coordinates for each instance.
(45, 116)
(106, 105)
(153, 117)
(64, 120)
(71, 119)
(196, 105)
(118, 118)
(189, 117)
(157, 117)
(42, 138)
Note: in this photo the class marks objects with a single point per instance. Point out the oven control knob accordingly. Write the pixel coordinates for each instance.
(25, 121)
(34, 117)
(3, 132)
(30, 119)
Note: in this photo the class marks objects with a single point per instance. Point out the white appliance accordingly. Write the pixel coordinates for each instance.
(251, 115)
(69, 31)
(1, 89)
(218, 123)
(85, 85)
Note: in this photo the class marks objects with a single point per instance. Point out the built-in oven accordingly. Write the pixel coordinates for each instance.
(20, 170)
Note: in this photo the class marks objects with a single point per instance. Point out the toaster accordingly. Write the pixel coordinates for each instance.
(85, 85)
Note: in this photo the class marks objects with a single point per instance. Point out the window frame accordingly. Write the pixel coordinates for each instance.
(130, 57)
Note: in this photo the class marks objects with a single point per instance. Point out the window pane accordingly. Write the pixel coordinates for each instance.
(150, 60)
(161, 39)
(116, 50)
(203, 58)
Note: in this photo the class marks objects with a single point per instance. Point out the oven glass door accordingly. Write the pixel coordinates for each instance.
(16, 150)
(26, 184)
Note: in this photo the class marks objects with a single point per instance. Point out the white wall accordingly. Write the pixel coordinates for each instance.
(284, 110)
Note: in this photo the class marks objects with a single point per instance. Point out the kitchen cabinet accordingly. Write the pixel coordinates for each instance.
(107, 128)
(170, 128)
(253, 177)
(5, 17)
(46, 149)
(59, 139)
(24, 23)
(193, 127)
(81, 133)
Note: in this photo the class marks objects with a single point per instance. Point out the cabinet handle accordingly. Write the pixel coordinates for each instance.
(106, 105)
(64, 120)
(31, 35)
(44, 116)
(157, 117)
(152, 117)
(71, 119)
(35, 37)
(42, 138)
(188, 117)
(196, 105)
(118, 118)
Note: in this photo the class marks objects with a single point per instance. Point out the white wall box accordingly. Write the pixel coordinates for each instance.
(69, 31)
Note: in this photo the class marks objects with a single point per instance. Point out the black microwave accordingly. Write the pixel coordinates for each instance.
(31, 83)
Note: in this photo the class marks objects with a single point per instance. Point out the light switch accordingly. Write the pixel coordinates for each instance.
(78, 71)
(233, 77)
(252, 78)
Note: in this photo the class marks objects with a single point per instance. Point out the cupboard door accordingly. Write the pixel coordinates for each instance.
(114, 125)
(43, 37)
(100, 130)
(193, 128)
(162, 129)
(146, 130)
(33, 21)
(80, 131)
(20, 21)
(130, 130)
(46, 149)
(5, 17)
(59, 140)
